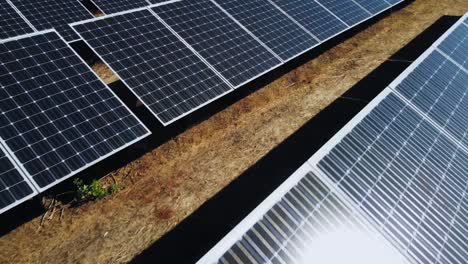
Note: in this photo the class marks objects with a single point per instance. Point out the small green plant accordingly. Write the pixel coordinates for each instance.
(93, 191)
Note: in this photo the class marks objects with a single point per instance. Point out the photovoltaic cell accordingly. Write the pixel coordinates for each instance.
(313, 17)
(233, 52)
(165, 75)
(114, 6)
(271, 26)
(407, 176)
(57, 14)
(438, 88)
(12, 23)
(14, 187)
(456, 45)
(373, 6)
(347, 10)
(57, 117)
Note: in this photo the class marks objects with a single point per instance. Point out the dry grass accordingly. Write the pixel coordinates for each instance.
(173, 180)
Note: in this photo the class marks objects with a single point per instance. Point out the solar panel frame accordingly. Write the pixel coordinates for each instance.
(54, 20)
(202, 60)
(275, 59)
(89, 69)
(13, 19)
(5, 154)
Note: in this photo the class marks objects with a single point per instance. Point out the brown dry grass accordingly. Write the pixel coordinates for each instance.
(175, 179)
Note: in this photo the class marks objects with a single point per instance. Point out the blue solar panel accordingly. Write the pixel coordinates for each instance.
(48, 14)
(14, 187)
(312, 16)
(165, 75)
(57, 117)
(12, 23)
(271, 26)
(232, 51)
(456, 45)
(373, 6)
(347, 10)
(114, 6)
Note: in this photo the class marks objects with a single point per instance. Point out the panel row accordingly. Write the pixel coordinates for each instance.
(179, 56)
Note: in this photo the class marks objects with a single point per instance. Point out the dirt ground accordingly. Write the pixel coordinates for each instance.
(172, 181)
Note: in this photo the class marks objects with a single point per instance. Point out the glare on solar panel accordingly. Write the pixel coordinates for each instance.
(14, 186)
(312, 16)
(12, 23)
(230, 49)
(57, 117)
(49, 14)
(271, 26)
(163, 73)
(347, 10)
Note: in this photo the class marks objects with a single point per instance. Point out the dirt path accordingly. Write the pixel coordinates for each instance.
(175, 179)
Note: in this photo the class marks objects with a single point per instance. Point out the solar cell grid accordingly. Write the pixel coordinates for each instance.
(437, 87)
(57, 117)
(115, 6)
(350, 12)
(271, 26)
(12, 23)
(218, 39)
(14, 187)
(49, 14)
(456, 45)
(165, 74)
(313, 17)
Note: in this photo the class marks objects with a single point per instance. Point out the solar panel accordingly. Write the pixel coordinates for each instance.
(164, 73)
(312, 16)
(114, 6)
(347, 10)
(12, 23)
(57, 117)
(271, 26)
(48, 14)
(373, 6)
(456, 45)
(14, 187)
(230, 49)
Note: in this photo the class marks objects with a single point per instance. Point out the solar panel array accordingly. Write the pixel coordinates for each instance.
(400, 163)
(231, 41)
(49, 14)
(57, 117)
(164, 73)
(12, 23)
